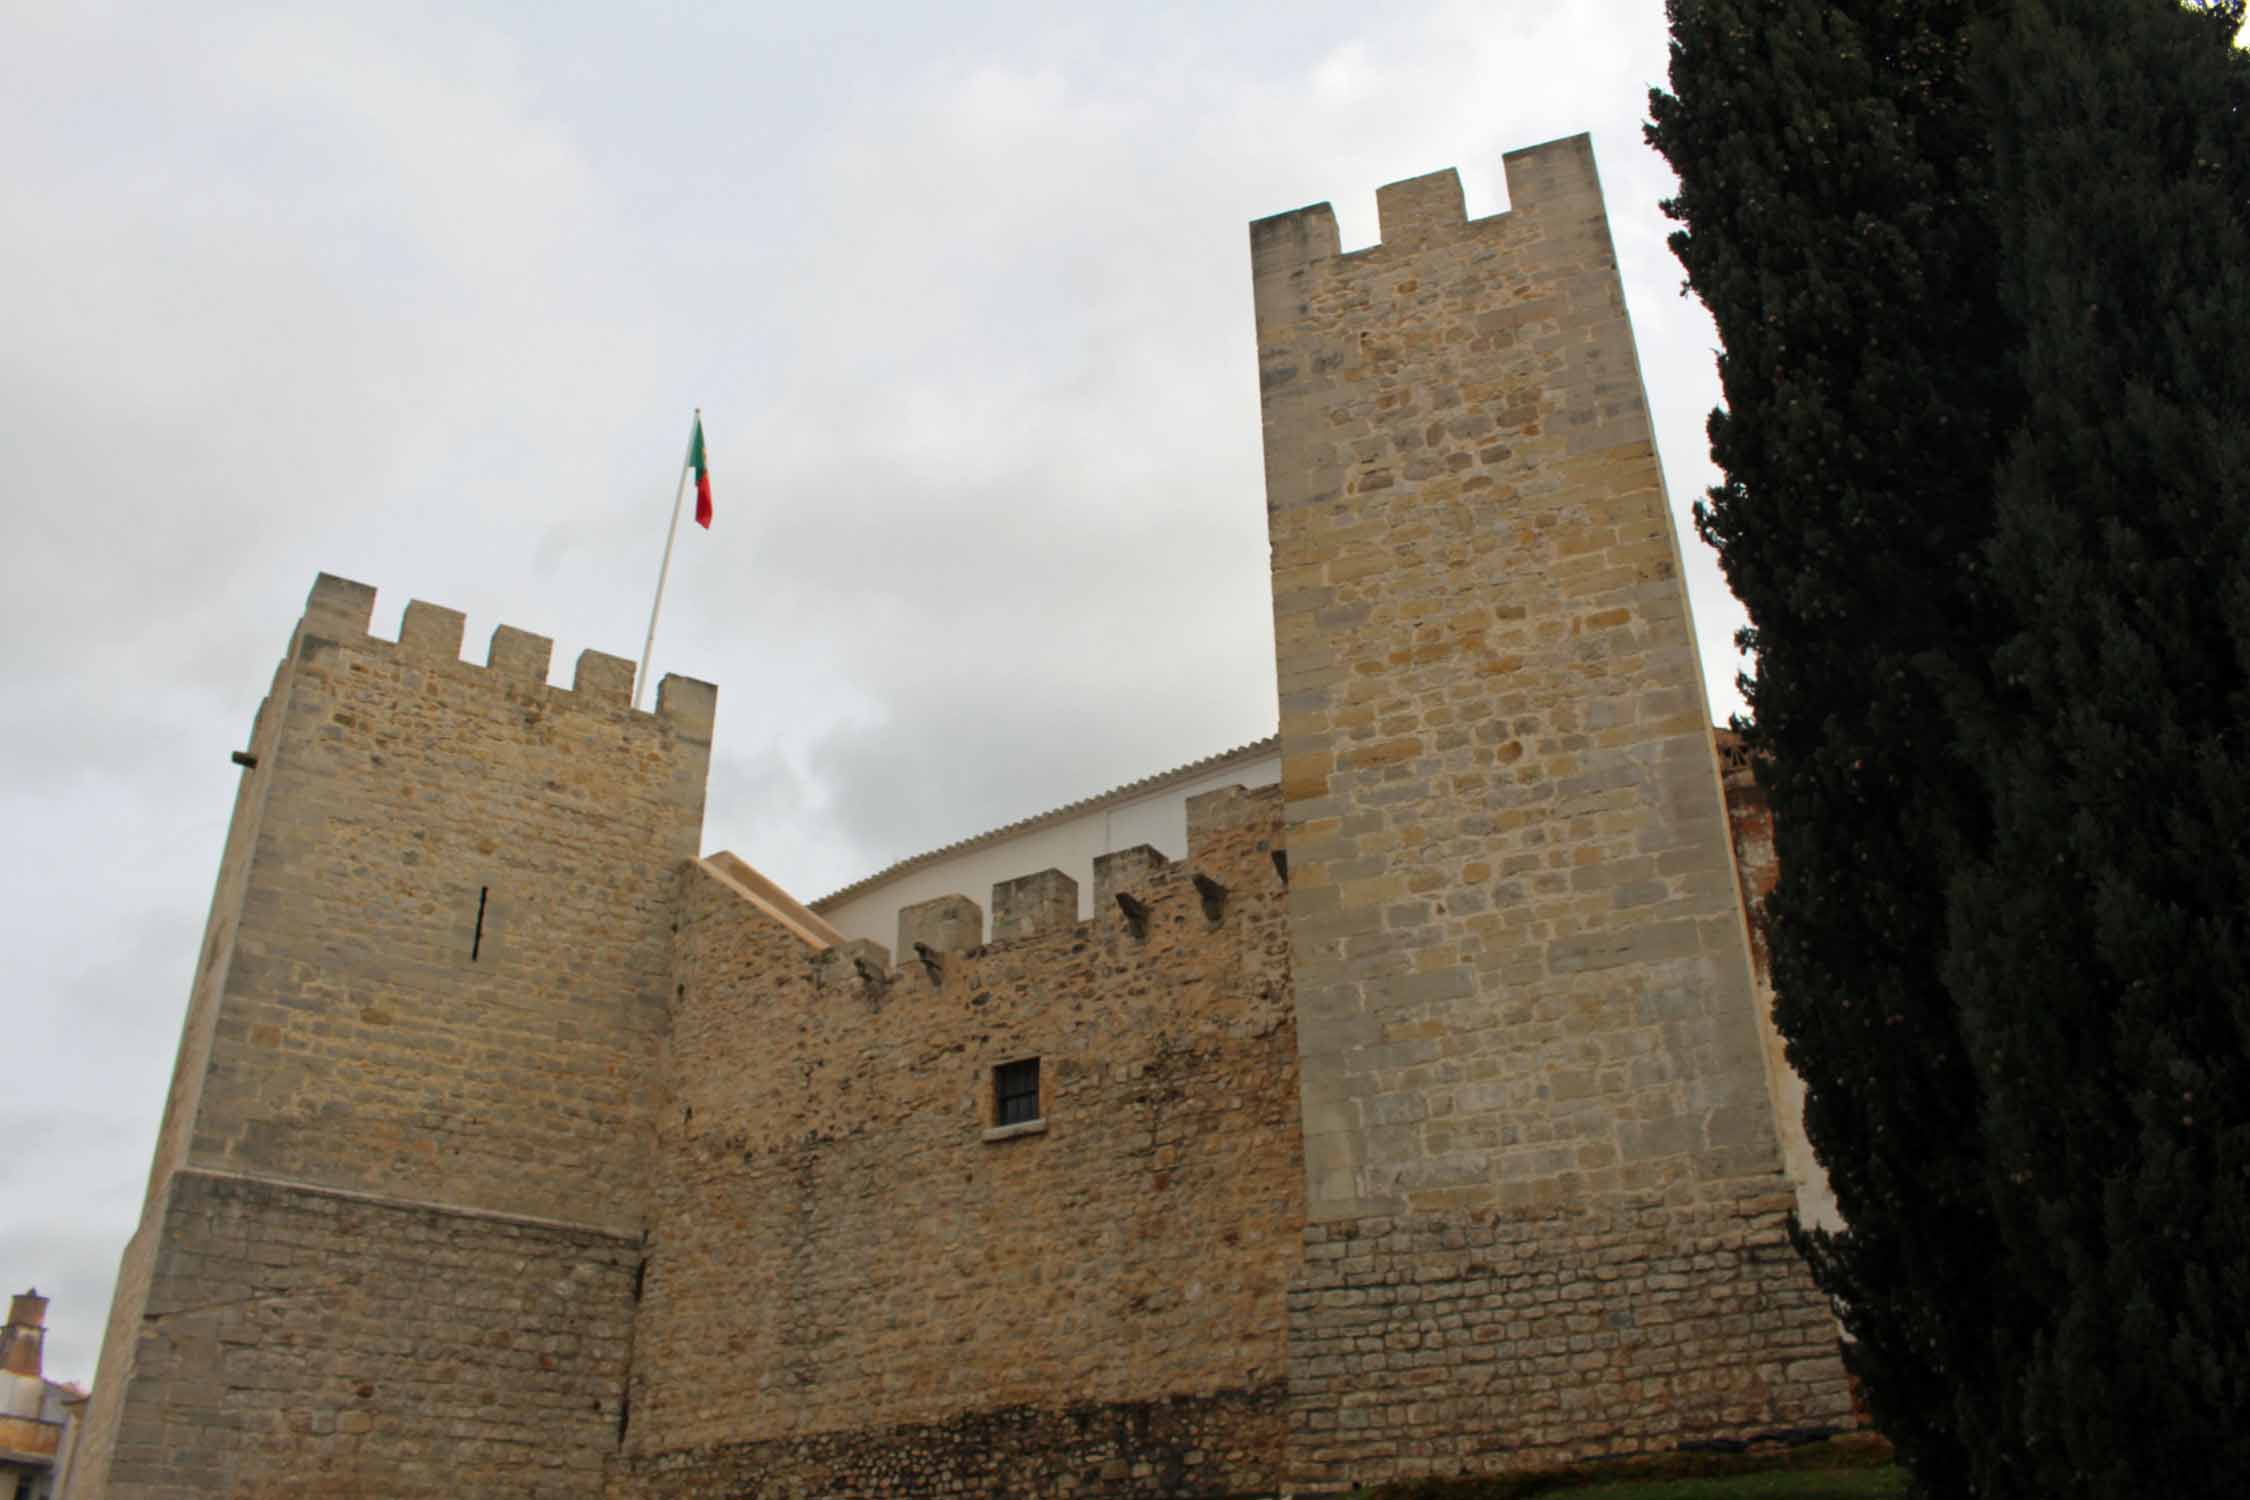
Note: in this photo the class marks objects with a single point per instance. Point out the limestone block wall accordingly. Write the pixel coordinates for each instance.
(447, 974)
(860, 1282)
(434, 975)
(1526, 1013)
(303, 1342)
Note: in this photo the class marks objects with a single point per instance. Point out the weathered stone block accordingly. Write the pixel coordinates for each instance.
(1032, 904)
(945, 924)
(1125, 870)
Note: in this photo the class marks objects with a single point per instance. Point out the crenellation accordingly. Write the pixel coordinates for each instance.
(1033, 904)
(1417, 210)
(945, 924)
(604, 679)
(1286, 242)
(338, 609)
(689, 704)
(1128, 870)
(431, 632)
(1213, 815)
(520, 656)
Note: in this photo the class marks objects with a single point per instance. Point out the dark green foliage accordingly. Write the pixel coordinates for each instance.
(2101, 950)
(1982, 273)
(1835, 175)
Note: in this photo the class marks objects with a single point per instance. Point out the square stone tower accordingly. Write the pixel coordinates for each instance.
(391, 1241)
(1546, 1205)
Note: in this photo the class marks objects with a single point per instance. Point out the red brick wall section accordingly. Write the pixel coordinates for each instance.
(848, 1282)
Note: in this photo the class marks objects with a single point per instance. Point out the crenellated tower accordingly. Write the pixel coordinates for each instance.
(404, 1158)
(1541, 1166)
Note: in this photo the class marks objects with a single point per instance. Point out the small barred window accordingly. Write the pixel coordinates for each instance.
(1015, 1092)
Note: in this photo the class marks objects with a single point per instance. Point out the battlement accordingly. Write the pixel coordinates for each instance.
(343, 611)
(1548, 181)
(1234, 844)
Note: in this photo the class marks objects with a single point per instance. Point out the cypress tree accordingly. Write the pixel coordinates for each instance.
(2100, 946)
(1835, 178)
(1982, 273)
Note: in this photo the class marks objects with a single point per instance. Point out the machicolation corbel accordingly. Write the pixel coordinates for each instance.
(1136, 913)
(857, 962)
(932, 962)
(947, 924)
(1214, 896)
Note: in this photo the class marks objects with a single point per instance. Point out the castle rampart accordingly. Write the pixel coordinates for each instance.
(862, 1280)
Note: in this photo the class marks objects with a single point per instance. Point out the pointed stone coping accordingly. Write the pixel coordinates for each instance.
(735, 874)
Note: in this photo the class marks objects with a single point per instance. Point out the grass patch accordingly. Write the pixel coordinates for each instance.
(1845, 1469)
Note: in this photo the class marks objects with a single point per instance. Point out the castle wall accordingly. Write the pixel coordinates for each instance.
(1545, 1194)
(303, 1342)
(859, 1283)
(434, 977)
(454, 937)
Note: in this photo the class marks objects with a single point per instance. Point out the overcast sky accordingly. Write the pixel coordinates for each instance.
(424, 296)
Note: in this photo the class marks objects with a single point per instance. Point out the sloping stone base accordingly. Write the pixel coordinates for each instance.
(1448, 1344)
(1227, 1444)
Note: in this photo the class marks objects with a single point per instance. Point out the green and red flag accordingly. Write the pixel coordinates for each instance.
(702, 476)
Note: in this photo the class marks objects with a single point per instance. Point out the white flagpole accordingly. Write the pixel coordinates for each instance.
(640, 677)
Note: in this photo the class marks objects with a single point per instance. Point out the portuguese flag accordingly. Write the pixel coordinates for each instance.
(702, 469)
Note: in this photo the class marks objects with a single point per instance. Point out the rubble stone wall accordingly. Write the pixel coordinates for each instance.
(854, 1267)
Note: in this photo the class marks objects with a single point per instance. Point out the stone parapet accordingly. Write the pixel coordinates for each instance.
(1032, 904)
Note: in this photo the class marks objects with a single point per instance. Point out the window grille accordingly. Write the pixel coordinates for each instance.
(1015, 1092)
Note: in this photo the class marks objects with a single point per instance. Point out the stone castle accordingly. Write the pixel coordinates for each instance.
(1414, 1113)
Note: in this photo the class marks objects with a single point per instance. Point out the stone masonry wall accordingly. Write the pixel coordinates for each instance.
(1525, 1000)
(434, 973)
(1444, 1343)
(1214, 1445)
(447, 976)
(301, 1342)
(860, 1284)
